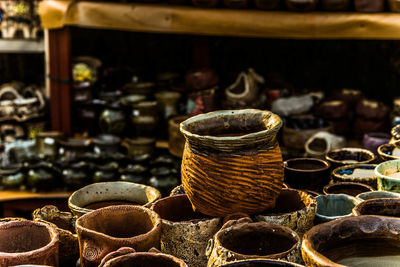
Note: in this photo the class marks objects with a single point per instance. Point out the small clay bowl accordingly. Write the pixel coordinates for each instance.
(382, 206)
(357, 239)
(377, 195)
(307, 173)
(335, 206)
(356, 173)
(395, 132)
(294, 209)
(385, 182)
(389, 151)
(261, 263)
(349, 155)
(348, 188)
(100, 195)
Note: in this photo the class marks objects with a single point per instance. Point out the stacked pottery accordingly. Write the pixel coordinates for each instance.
(395, 132)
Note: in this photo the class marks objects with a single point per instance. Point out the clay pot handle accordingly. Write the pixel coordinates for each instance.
(117, 253)
(235, 218)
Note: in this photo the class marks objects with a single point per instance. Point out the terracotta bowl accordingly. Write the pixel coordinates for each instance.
(382, 206)
(335, 206)
(385, 182)
(356, 173)
(348, 188)
(345, 156)
(377, 195)
(294, 209)
(389, 151)
(261, 263)
(307, 173)
(353, 241)
(99, 195)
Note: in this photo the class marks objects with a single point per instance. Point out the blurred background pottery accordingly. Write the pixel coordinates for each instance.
(357, 173)
(369, 5)
(77, 175)
(348, 188)
(107, 144)
(112, 120)
(335, 5)
(236, 3)
(12, 177)
(268, 4)
(377, 195)
(145, 118)
(389, 151)
(307, 173)
(388, 174)
(345, 156)
(334, 206)
(318, 145)
(395, 132)
(100, 195)
(140, 146)
(372, 141)
(301, 5)
(46, 143)
(73, 149)
(176, 140)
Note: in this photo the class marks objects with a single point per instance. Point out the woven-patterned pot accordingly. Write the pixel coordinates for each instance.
(232, 161)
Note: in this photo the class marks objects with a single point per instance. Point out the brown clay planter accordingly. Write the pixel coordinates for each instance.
(176, 140)
(239, 240)
(236, 148)
(185, 233)
(336, 243)
(381, 206)
(27, 242)
(108, 229)
(348, 188)
(294, 209)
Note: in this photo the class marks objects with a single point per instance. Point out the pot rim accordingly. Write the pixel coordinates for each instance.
(140, 209)
(329, 186)
(289, 233)
(262, 260)
(81, 210)
(392, 195)
(354, 166)
(351, 149)
(391, 146)
(324, 168)
(379, 167)
(395, 130)
(355, 200)
(358, 209)
(158, 254)
(54, 237)
(233, 141)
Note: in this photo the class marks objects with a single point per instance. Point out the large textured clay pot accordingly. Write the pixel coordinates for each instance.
(128, 257)
(261, 263)
(353, 241)
(108, 229)
(185, 233)
(27, 242)
(295, 209)
(232, 161)
(243, 239)
(381, 206)
(100, 195)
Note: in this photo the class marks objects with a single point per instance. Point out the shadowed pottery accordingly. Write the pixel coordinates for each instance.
(382, 206)
(242, 239)
(345, 156)
(357, 173)
(335, 206)
(235, 147)
(353, 241)
(395, 132)
(107, 229)
(377, 194)
(348, 188)
(105, 194)
(185, 233)
(385, 182)
(294, 208)
(261, 263)
(389, 151)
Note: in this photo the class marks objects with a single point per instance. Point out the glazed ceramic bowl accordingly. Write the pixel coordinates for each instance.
(389, 151)
(294, 209)
(261, 263)
(382, 206)
(335, 206)
(383, 172)
(345, 156)
(377, 195)
(357, 173)
(372, 141)
(395, 132)
(348, 188)
(100, 195)
(307, 173)
(353, 241)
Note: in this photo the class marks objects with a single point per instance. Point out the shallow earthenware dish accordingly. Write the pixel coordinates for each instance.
(389, 151)
(385, 182)
(348, 188)
(377, 195)
(357, 173)
(345, 156)
(382, 206)
(334, 206)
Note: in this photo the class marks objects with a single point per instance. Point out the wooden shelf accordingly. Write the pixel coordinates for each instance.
(21, 46)
(23, 195)
(223, 22)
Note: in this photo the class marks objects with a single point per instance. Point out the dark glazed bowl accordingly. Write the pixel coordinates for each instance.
(301, 5)
(307, 173)
(386, 151)
(382, 206)
(349, 155)
(331, 243)
(348, 188)
(356, 173)
(395, 132)
(261, 263)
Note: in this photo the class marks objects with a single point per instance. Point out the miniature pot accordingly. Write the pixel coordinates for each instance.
(347, 242)
(176, 141)
(369, 6)
(371, 109)
(99, 195)
(372, 141)
(12, 177)
(238, 148)
(168, 103)
(27, 242)
(307, 173)
(108, 229)
(145, 118)
(389, 151)
(318, 145)
(382, 206)
(395, 132)
(239, 240)
(261, 263)
(73, 149)
(385, 182)
(377, 195)
(112, 120)
(301, 5)
(107, 144)
(335, 206)
(184, 233)
(64, 223)
(345, 156)
(294, 209)
(348, 188)
(357, 173)
(202, 79)
(77, 175)
(128, 257)
(268, 4)
(136, 173)
(42, 177)
(46, 143)
(140, 146)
